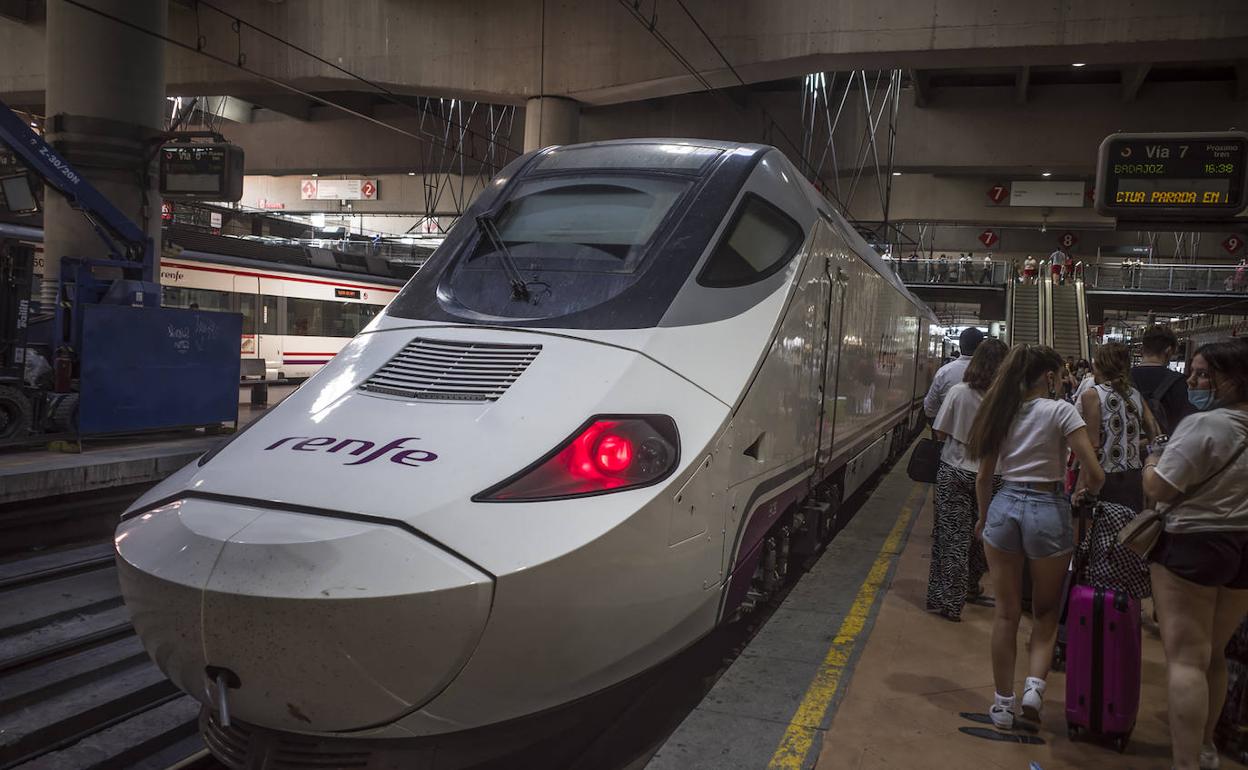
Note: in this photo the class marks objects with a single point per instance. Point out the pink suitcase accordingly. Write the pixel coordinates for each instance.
(1102, 664)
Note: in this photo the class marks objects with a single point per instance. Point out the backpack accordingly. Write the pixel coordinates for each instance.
(1154, 401)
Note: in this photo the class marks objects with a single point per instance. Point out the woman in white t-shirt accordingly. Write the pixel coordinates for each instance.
(1200, 564)
(1022, 432)
(957, 555)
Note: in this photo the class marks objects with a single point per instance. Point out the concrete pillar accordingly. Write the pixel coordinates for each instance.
(105, 99)
(550, 120)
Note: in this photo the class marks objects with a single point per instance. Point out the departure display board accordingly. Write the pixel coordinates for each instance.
(202, 170)
(1195, 175)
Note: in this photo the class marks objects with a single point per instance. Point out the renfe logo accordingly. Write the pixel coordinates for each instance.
(410, 457)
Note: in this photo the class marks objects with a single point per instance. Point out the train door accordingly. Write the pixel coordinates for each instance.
(247, 290)
(269, 325)
(837, 280)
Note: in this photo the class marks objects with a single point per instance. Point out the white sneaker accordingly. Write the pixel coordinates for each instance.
(1033, 698)
(1002, 712)
(1209, 759)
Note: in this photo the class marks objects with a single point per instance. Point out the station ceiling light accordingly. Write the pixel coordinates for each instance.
(1046, 173)
(1079, 64)
(411, 173)
(895, 173)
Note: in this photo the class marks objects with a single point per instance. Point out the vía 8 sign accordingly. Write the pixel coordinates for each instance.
(1167, 175)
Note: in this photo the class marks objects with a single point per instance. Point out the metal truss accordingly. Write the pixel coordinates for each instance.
(452, 178)
(831, 102)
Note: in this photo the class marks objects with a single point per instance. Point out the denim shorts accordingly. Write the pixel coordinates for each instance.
(1022, 519)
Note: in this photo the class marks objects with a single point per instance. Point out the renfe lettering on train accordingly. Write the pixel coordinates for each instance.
(357, 447)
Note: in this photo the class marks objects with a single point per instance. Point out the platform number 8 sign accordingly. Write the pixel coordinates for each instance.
(1233, 244)
(1068, 240)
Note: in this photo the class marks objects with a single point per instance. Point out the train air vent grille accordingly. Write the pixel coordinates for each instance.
(439, 370)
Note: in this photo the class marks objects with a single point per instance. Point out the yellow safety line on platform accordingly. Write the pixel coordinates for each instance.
(806, 720)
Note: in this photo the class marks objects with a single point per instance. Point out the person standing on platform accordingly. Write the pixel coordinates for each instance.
(1029, 269)
(953, 372)
(942, 269)
(1022, 432)
(1241, 275)
(966, 265)
(958, 562)
(985, 275)
(1117, 419)
(1200, 562)
(1163, 389)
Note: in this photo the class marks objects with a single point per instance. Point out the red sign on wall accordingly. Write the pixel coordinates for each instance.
(1067, 240)
(1233, 244)
(369, 190)
(988, 238)
(998, 192)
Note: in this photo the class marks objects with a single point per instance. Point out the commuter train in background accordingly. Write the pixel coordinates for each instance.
(634, 384)
(295, 317)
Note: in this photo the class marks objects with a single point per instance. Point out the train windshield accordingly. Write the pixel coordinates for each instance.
(597, 236)
(562, 244)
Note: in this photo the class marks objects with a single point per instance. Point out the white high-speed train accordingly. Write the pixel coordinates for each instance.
(636, 379)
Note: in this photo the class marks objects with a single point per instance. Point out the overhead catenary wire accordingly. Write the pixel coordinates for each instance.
(809, 169)
(651, 26)
(242, 67)
(392, 96)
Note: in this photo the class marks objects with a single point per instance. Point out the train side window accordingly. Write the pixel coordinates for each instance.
(760, 241)
(247, 306)
(305, 317)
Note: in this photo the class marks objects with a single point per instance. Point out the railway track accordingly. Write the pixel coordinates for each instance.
(77, 690)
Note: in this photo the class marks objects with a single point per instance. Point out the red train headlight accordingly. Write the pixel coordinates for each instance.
(607, 454)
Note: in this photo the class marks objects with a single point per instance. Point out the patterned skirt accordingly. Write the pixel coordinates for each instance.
(958, 561)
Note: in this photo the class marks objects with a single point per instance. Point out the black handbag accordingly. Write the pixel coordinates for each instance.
(925, 460)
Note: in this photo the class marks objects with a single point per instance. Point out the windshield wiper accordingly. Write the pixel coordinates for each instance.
(519, 288)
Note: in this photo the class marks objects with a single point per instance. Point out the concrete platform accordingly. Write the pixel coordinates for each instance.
(35, 474)
(774, 703)
(852, 674)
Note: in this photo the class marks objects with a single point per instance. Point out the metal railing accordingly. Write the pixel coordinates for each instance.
(1217, 279)
(951, 271)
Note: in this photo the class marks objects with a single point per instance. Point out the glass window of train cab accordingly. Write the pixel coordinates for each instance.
(760, 240)
(577, 241)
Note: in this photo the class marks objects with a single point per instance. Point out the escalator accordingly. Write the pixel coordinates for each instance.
(1023, 321)
(1050, 314)
(1068, 332)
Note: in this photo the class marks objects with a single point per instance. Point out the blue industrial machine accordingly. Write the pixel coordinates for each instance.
(138, 366)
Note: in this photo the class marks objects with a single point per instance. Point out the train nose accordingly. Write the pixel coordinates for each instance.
(327, 624)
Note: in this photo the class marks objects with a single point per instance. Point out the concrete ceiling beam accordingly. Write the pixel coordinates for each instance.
(22, 11)
(1022, 79)
(1133, 78)
(921, 82)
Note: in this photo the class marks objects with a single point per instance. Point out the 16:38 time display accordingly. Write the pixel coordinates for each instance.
(1219, 168)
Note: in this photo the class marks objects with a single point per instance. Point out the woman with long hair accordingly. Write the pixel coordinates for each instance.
(1200, 563)
(1022, 432)
(1117, 419)
(957, 555)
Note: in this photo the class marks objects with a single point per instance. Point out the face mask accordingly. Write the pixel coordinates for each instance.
(1201, 399)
